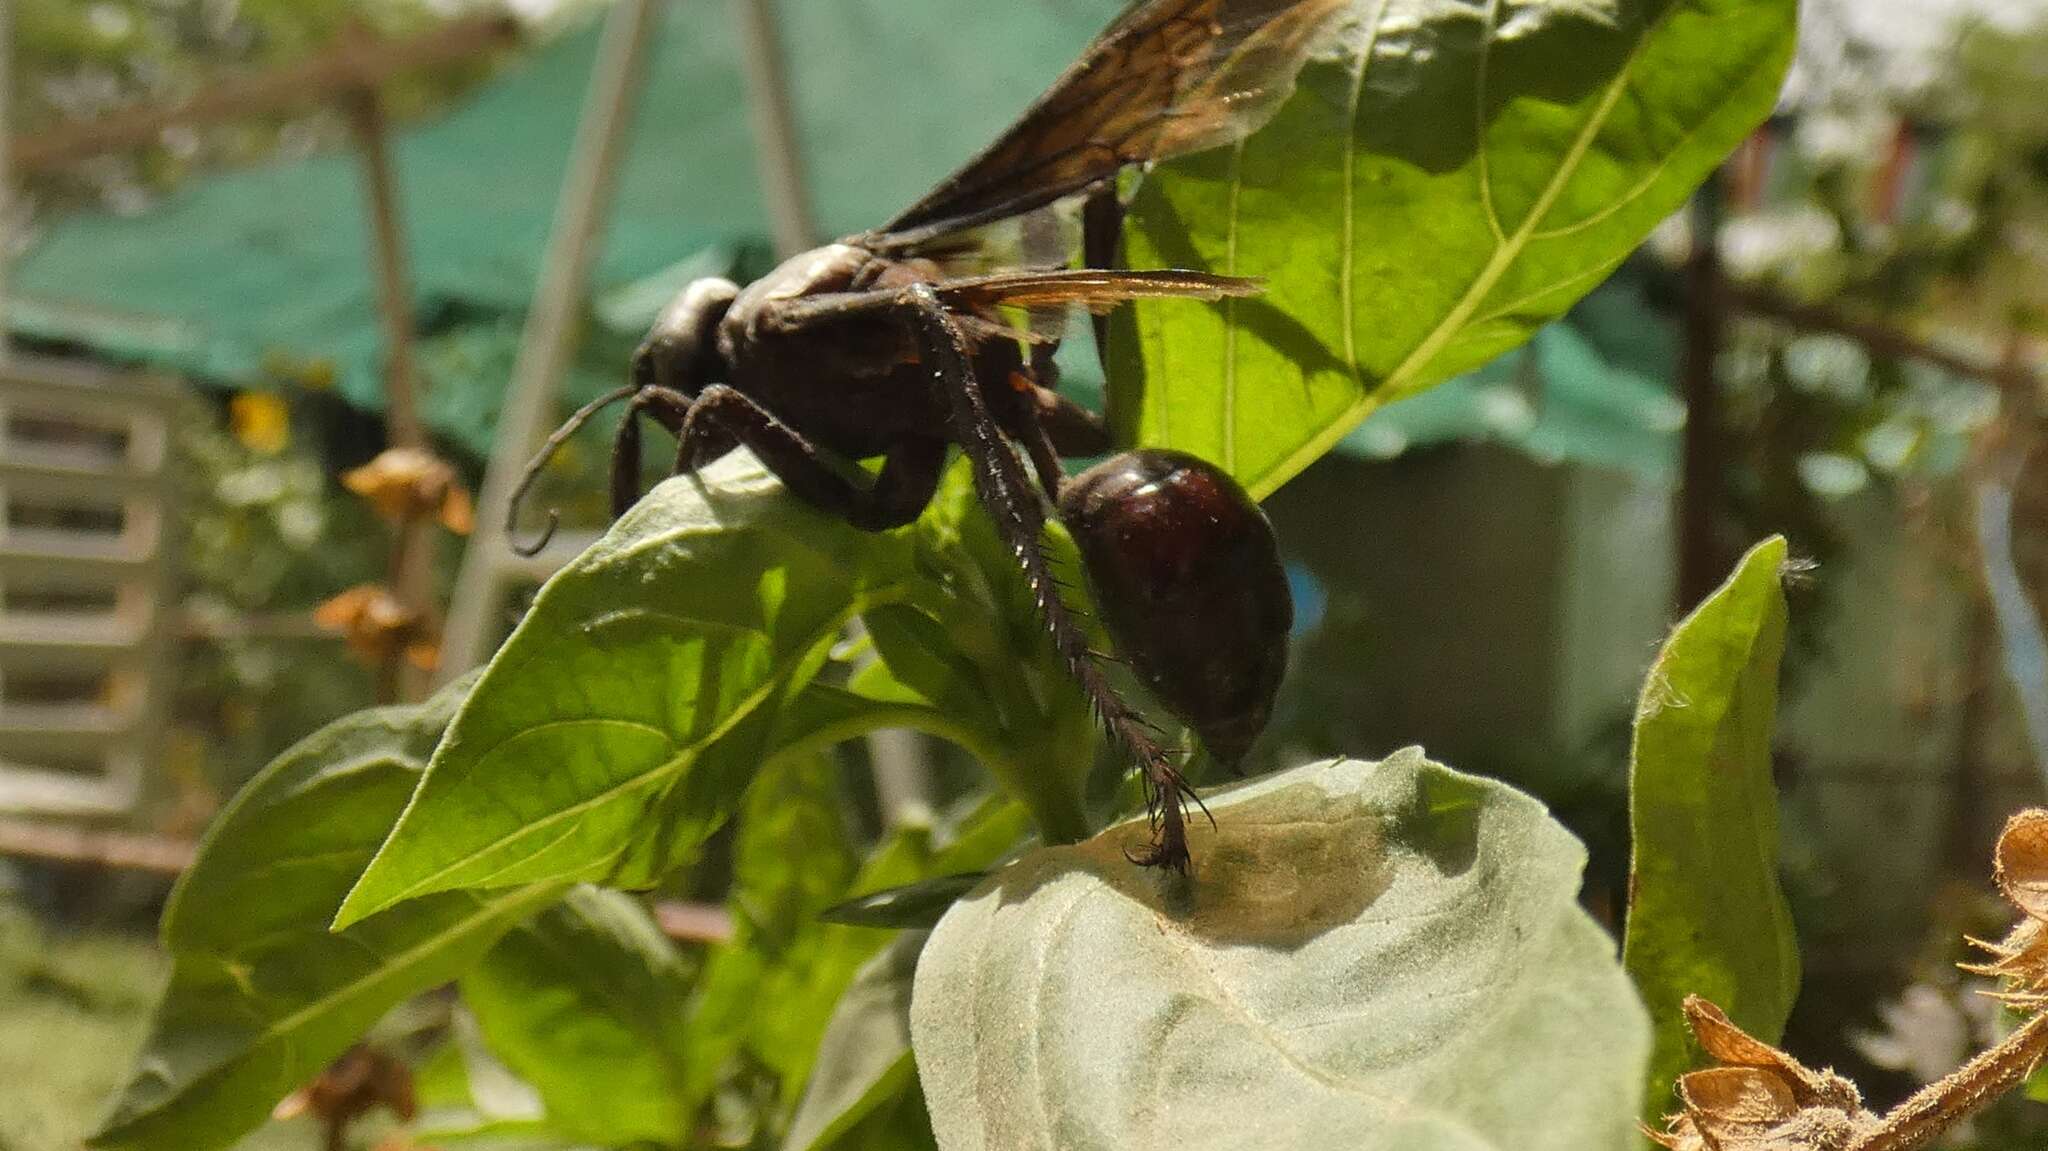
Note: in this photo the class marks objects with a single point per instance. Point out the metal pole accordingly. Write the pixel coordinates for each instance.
(777, 150)
(549, 338)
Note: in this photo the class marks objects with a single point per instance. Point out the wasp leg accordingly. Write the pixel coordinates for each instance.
(1075, 430)
(1006, 492)
(1102, 233)
(1045, 456)
(909, 475)
(626, 458)
(708, 448)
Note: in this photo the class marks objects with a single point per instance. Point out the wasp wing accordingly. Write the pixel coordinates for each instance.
(974, 300)
(1167, 78)
(1096, 289)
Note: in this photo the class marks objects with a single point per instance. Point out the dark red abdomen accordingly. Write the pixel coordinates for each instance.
(1187, 577)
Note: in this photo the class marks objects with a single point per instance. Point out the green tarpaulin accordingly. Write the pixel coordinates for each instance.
(260, 275)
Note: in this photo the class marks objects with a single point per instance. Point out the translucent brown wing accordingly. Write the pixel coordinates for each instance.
(974, 299)
(1097, 290)
(1167, 78)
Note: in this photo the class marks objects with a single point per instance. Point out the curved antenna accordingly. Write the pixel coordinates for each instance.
(554, 443)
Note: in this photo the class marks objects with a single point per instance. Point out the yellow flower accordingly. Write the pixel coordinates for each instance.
(260, 421)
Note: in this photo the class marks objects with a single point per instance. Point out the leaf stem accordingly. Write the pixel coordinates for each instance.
(1941, 1105)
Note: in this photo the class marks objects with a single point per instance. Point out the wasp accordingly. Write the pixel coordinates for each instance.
(892, 343)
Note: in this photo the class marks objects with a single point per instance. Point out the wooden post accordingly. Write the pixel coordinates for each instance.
(353, 63)
(778, 153)
(6, 177)
(549, 338)
(394, 298)
(412, 549)
(1701, 566)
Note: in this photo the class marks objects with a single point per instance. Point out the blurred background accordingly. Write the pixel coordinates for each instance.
(250, 245)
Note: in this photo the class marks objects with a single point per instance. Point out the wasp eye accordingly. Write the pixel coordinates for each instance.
(1187, 577)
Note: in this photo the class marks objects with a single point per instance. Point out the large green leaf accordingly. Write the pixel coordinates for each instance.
(262, 995)
(1706, 915)
(1459, 178)
(864, 1062)
(585, 1002)
(622, 720)
(1368, 956)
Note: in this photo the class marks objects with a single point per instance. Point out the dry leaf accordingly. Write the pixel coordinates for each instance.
(2020, 960)
(405, 482)
(361, 1078)
(2022, 862)
(1762, 1100)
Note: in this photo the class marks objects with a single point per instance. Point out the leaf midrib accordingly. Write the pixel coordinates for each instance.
(1482, 285)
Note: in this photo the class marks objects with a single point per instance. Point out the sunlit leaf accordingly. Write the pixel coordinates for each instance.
(1368, 956)
(262, 996)
(1706, 915)
(1460, 177)
(622, 720)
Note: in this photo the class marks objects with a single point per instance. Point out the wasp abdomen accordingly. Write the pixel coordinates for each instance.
(1187, 576)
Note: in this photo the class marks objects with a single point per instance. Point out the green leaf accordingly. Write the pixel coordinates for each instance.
(1463, 175)
(585, 1002)
(920, 904)
(791, 859)
(467, 1096)
(864, 1091)
(1368, 956)
(1706, 915)
(864, 1063)
(624, 717)
(970, 644)
(261, 995)
(986, 835)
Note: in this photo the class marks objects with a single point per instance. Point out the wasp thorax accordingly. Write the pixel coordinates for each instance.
(1187, 577)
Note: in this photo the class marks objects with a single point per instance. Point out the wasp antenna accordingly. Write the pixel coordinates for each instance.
(540, 460)
(540, 542)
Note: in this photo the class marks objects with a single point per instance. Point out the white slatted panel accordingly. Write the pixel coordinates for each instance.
(85, 580)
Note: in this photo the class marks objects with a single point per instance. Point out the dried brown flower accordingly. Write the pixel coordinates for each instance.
(405, 482)
(1762, 1099)
(374, 624)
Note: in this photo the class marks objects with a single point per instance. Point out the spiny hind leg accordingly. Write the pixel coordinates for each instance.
(1005, 491)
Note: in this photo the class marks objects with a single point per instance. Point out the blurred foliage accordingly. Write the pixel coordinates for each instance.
(267, 534)
(74, 1003)
(79, 59)
(1916, 198)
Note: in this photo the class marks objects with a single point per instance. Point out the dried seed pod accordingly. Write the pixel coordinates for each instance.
(1187, 577)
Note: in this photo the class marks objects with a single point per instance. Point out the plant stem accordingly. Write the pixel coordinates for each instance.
(1939, 1106)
